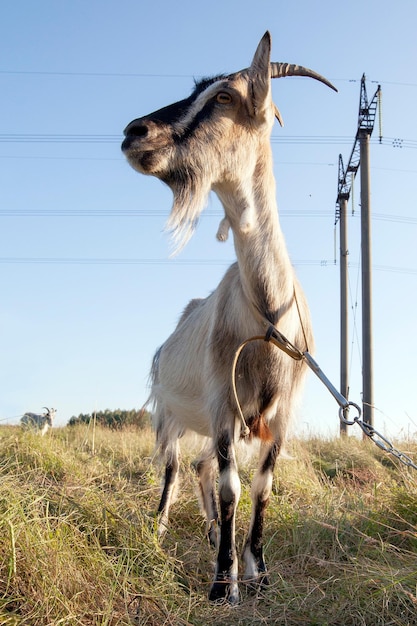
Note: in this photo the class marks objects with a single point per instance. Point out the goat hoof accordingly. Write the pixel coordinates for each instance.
(212, 535)
(256, 585)
(224, 592)
(222, 237)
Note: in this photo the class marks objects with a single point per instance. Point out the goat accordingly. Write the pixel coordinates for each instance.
(219, 139)
(37, 422)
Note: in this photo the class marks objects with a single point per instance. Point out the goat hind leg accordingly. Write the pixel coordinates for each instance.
(205, 469)
(169, 488)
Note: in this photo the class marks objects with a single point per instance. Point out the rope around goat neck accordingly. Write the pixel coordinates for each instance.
(278, 339)
(274, 336)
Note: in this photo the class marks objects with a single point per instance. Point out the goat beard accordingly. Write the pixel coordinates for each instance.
(191, 192)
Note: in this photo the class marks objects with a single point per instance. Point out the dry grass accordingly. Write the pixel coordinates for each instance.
(78, 545)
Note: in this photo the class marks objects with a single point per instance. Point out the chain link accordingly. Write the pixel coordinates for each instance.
(384, 444)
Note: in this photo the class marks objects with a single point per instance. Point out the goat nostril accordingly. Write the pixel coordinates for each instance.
(141, 130)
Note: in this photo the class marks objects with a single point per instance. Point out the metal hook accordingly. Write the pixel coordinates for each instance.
(343, 418)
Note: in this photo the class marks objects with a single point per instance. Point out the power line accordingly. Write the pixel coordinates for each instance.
(56, 138)
(110, 261)
(98, 74)
(146, 213)
(121, 159)
(394, 142)
(322, 263)
(137, 213)
(151, 75)
(64, 158)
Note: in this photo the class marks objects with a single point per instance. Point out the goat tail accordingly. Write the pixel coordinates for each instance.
(156, 409)
(153, 379)
(154, 374)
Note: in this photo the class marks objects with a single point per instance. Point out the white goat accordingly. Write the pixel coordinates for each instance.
(219, 139)
(41, 423)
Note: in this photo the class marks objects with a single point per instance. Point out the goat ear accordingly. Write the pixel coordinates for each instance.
(278, 115)
(260, 74)
(261, 61)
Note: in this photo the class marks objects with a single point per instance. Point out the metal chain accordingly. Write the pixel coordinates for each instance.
(384, 443)
(280, 341)
(275, 337)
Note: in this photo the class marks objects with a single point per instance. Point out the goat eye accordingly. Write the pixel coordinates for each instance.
(223, 98)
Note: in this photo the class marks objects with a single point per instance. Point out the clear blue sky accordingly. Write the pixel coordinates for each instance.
(78, 330)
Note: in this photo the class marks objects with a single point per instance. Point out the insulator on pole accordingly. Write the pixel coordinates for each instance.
(380, 112)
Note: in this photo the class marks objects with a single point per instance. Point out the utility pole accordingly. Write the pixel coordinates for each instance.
(341, 215)
(359, 157)
(366, 257)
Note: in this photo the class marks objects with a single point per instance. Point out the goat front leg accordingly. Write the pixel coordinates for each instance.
(225, 585)
(255, 567)
(223, 230)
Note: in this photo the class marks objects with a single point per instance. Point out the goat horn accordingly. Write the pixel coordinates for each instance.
(280, 70)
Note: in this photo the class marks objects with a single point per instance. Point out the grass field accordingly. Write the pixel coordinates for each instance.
(78, 542)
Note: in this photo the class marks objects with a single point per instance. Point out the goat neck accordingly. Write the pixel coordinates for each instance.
(265, 268)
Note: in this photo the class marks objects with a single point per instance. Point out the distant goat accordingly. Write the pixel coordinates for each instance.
(219, 139)
(37, 422)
